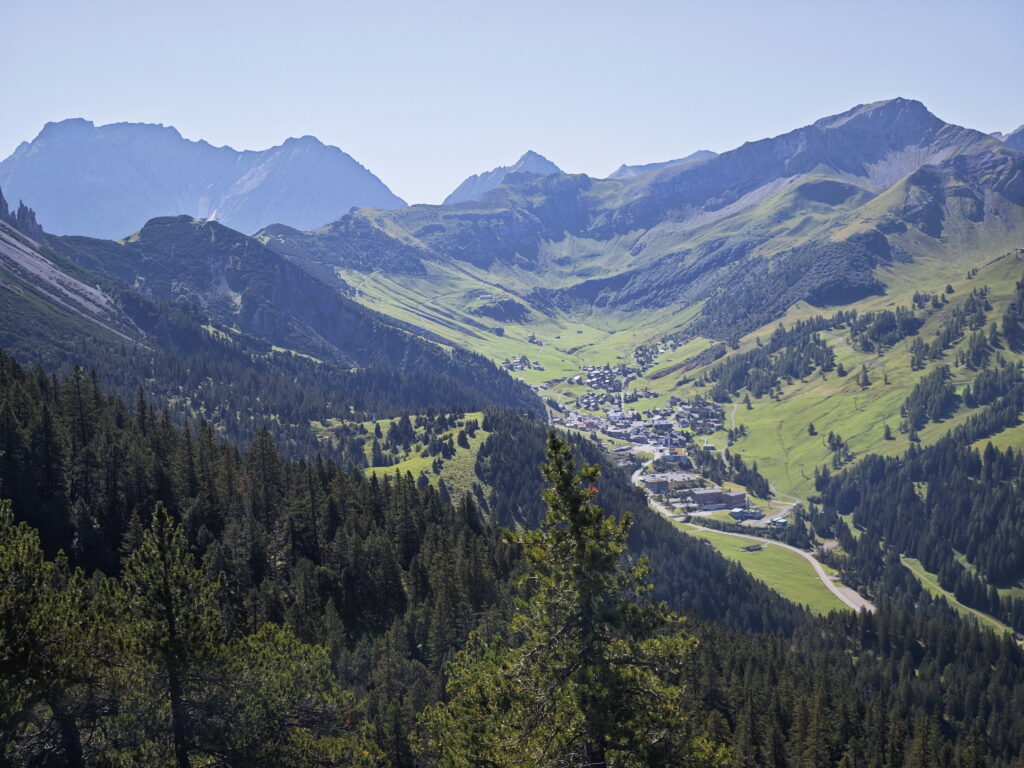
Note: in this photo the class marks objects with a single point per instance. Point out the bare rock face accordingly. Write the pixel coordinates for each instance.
(107, 181)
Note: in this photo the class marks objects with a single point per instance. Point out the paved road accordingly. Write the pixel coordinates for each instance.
(849, 597)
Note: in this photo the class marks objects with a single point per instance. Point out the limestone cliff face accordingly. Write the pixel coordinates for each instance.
(107, 181)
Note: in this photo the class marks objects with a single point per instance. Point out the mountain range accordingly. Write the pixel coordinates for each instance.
(108, 180)
(813, 215)
(189, 308)
(858, 211)
(879, 212)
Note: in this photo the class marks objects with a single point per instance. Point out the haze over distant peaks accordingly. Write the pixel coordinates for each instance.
(479, 184)
(629, 171)
(108, 180)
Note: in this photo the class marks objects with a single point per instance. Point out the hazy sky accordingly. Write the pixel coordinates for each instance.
(426, 93)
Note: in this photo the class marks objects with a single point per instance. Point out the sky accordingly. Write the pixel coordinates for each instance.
(425, 94)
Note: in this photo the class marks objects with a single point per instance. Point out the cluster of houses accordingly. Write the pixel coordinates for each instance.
(664, 482)
(700, 415)
(661, 427)
(521, 363)
(635, 395)
(592, 401)
(605, 377)
(647, 427)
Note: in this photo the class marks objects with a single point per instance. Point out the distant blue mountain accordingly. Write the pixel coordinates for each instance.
(479, 184)
(109, 180)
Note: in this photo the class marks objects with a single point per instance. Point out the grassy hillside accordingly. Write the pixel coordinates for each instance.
(457, 470)
(778, 438)
(884, 211)
(778, 430)
(784, 571)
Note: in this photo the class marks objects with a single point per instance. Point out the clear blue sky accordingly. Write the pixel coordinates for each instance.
(426, 93)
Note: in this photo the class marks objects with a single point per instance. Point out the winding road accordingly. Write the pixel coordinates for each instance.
(847, 596)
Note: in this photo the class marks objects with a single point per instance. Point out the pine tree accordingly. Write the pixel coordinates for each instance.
(377, 456)
(49, 645)
(178, 623)
(275, 704)
(590, 672)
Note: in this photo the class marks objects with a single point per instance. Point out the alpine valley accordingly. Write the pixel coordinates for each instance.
(270, 444)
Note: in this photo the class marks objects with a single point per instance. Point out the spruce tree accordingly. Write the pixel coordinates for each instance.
(51, 642)
(590, 672)
(178, 623)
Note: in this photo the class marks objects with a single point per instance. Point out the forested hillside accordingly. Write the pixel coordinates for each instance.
(954, 506)
(156, 566)
(118, 309)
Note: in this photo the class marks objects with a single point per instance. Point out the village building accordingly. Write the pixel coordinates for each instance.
(734, 498)
(655, 484)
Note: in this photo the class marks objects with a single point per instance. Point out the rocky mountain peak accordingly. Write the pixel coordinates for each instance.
(107, 180)
(898, 110)
(480, 184)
